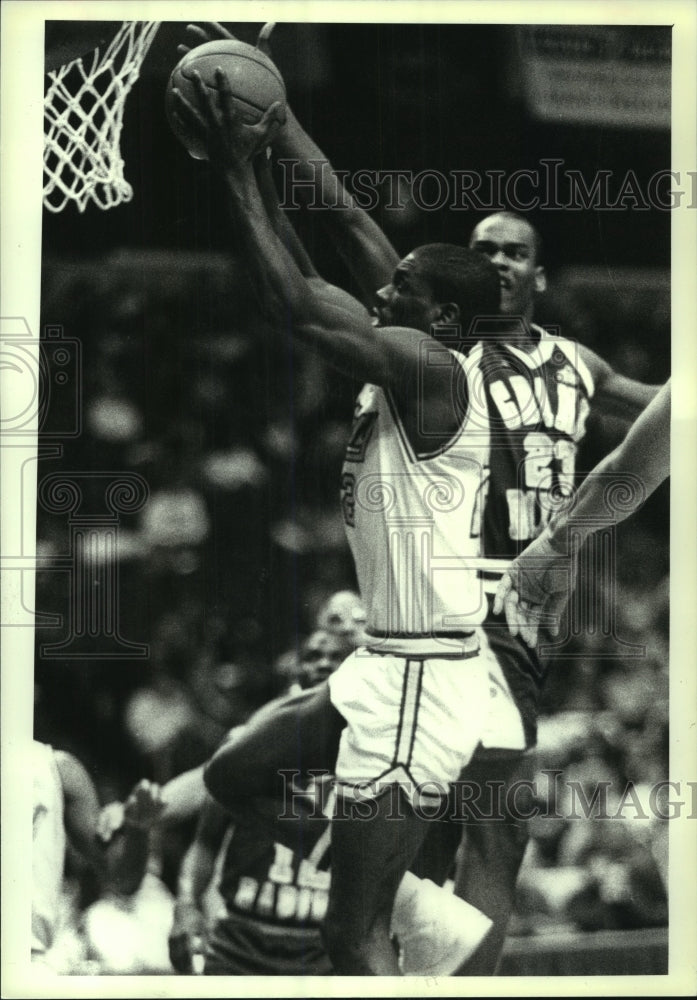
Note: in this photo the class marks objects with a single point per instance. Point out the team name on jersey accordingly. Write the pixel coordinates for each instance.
(521, 402)
(290, 892)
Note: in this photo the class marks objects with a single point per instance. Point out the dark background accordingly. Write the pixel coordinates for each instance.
(175, 373)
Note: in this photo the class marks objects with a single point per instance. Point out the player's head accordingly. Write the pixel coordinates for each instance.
(343, 616)
(321, 654)
(439, 284)
(514, 247)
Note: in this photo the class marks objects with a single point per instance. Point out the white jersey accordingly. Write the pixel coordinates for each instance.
(413, 522)
(48, 849)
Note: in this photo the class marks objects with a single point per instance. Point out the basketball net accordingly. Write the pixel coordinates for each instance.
(83, 116)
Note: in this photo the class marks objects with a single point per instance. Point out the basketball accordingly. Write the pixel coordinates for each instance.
(254, 80)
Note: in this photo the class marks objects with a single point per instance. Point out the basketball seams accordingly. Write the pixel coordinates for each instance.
(254, 81)
(269, 67)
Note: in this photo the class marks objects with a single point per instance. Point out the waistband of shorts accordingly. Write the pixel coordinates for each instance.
(437, 645)
(269, 927)
(490, 575)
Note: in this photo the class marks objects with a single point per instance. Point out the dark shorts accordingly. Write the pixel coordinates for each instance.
(248, 947)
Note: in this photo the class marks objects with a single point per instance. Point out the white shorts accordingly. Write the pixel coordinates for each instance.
(417, 722)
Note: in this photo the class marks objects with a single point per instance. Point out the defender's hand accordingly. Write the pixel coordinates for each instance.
(209, 31)
(535, 589)
(143, 806)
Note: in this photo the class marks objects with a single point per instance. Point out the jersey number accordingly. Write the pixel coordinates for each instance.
(546, 462)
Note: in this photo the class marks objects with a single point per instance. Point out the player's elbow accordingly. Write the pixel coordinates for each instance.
(223, 775)
(215, 776)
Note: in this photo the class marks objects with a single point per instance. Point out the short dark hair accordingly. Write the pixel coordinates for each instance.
(507, 213)
(463, 276)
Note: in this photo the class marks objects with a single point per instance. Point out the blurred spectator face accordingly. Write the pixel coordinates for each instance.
(320, 657)
(344, 617)
(510, 245)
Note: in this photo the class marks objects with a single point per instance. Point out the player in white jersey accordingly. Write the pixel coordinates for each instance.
(430, 691)
(65, 807)
(48, 851)
(372, 258)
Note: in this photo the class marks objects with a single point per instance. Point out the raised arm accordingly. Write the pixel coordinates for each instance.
(315, 312)
(538, 583)
(364, 247)
(279, 221)
(307, 171)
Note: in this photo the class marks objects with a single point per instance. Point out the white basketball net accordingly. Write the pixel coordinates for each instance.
(83, 115)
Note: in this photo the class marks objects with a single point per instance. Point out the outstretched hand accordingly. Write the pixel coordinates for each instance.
(144, 805)
(229, 141)
(141, 809)
(535, 590)
(211, 30)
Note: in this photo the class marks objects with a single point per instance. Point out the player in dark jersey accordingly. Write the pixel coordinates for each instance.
(372, 260)
(274, 895)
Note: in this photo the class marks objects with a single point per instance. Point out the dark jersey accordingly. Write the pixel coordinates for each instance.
(535, 405)
(275, 899)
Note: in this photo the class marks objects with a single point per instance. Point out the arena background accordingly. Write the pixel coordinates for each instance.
(240, 440)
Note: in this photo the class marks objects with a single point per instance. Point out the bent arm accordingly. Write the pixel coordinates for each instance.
(616, 395)
(122, 861)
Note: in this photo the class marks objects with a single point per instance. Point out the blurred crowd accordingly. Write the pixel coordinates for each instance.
(239, 436)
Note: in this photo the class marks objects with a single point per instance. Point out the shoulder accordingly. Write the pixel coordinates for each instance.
(592, 369)
(332, 295)
(598, 368)
(74, 777)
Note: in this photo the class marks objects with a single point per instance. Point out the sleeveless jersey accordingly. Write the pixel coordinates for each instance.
(48, 847)
(413, 520)
(537, 404)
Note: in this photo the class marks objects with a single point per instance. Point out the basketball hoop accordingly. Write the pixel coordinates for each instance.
(83, 116)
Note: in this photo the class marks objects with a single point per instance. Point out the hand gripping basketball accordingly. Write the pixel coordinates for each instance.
(253, 82)
(228, 140)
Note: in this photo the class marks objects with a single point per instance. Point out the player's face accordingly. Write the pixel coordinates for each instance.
(321, 655)
(408, 299)
(344, 617)
(510, 246)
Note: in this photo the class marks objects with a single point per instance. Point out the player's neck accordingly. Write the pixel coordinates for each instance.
(519, 332)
